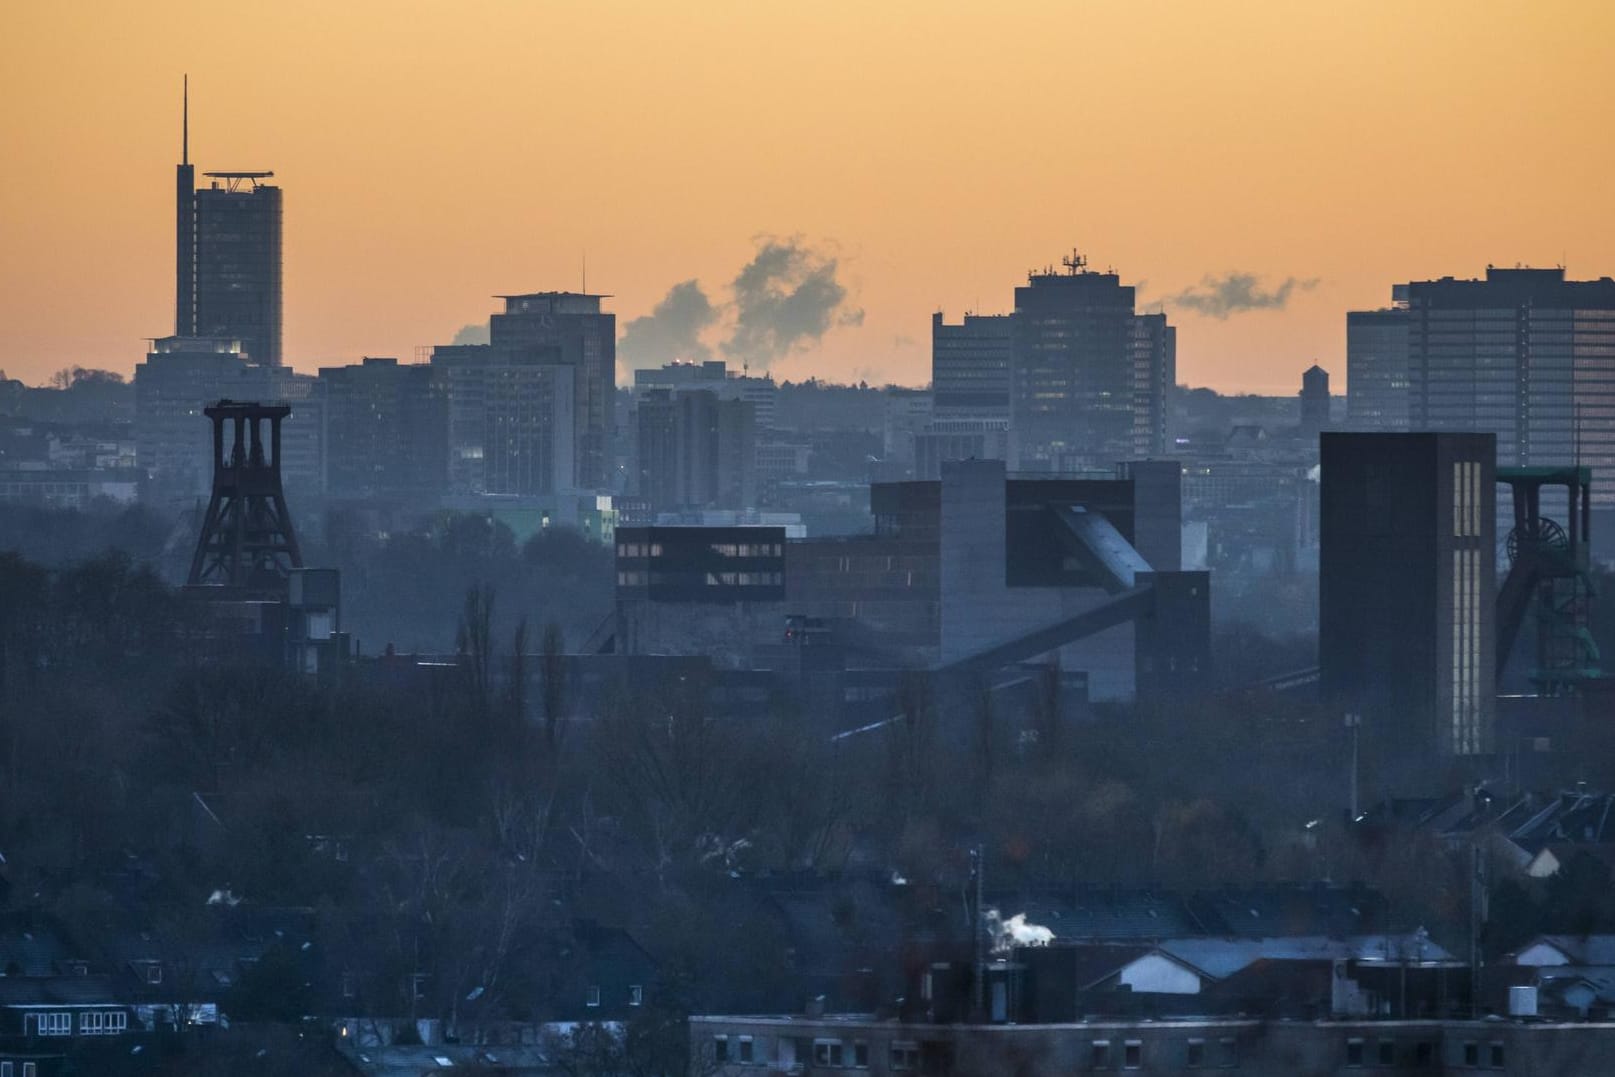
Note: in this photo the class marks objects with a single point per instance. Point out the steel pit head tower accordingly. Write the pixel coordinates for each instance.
(246, 543)
(1549, 571)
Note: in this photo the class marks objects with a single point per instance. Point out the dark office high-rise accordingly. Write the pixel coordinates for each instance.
(586, 338)
(1155, 374)
(1377, 369)
(1314, 399)
(388, 429)
(511, 414)
(970, 367)
(228, 258)
(1073, 372)
(695, 450)
(1524, 354)
(1407, 587)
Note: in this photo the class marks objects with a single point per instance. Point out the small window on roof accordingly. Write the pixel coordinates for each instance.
(593, 997)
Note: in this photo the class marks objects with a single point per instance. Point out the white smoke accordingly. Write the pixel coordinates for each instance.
(1008, 934)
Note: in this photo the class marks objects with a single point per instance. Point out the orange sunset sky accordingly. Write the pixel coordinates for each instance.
(435, 154)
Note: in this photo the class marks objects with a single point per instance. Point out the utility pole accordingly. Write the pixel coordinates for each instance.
(979, 985)
(1476, 897)
(1354, 722)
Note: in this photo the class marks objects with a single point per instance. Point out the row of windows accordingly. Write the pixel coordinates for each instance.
(1466, 666)
(745, 579)
(636, 995)
(722, 549)
(639, 549)
(747, 549)
(633, 578)
(1196, 1054)
(91, 1023)
(103, 1022)
(824, 1053)
(1474, 1054)
(29, 1069)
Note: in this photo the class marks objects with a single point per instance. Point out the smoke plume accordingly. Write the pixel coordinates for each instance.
(1235, 293)
(787, 297)
(672, 330)
(475, 333)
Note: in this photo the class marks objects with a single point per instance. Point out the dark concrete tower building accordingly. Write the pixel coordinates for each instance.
(1408, 588)
(228, 261)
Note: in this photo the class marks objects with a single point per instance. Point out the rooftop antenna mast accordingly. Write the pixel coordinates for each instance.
(1074, 262)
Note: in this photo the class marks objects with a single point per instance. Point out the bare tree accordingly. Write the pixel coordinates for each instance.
(553, 670)
(474, 641)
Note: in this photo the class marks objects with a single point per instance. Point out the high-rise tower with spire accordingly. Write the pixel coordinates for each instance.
(227, 255)
(185, 227)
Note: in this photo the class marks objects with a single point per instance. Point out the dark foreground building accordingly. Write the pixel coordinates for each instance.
(1407, 587)
(730, 1046)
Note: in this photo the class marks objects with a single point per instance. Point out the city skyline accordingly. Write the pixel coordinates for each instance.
(418, 156)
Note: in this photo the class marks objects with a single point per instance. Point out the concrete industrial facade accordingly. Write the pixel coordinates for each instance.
(975, 570)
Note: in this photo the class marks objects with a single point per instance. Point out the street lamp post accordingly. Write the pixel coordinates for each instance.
(1354, 722)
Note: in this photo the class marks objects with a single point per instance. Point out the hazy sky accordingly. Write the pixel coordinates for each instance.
(435, 154)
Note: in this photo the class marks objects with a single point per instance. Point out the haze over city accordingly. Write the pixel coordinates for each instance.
(1258, 168)
(838, 540)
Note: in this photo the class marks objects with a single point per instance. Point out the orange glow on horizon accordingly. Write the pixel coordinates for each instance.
(434, 155)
